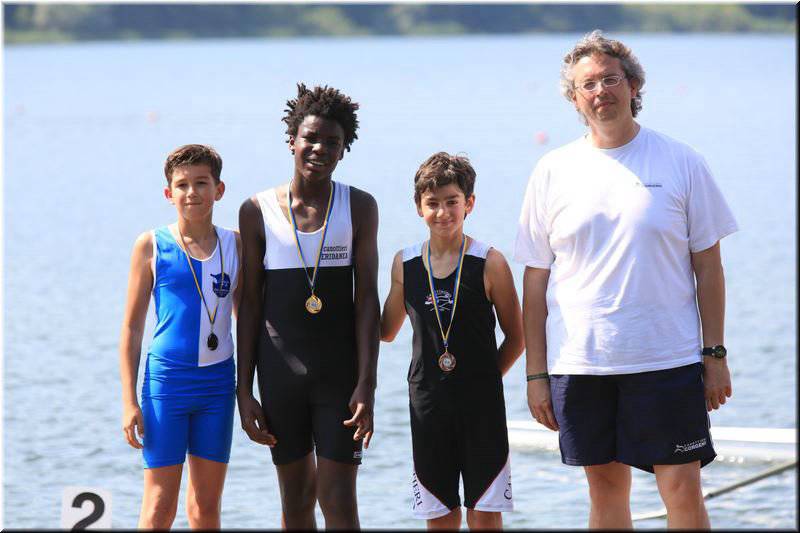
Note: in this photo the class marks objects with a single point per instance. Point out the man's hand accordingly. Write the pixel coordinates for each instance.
(253, 421)
(361, 405)
(539, 403)
(131, 422)
(716, 382)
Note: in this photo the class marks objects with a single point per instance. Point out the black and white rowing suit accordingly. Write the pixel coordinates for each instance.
(458, 418)
(307, 363)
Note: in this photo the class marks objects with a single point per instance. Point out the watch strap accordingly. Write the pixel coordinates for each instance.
(719, 351)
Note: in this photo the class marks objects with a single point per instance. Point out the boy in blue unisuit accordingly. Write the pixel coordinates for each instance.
(191, 267)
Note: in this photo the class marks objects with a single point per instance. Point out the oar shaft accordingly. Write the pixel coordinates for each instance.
(758, 477)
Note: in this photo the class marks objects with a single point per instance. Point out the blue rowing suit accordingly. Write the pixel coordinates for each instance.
(188, 391)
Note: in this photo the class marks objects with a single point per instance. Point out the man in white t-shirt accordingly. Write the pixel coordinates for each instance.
(619, 233)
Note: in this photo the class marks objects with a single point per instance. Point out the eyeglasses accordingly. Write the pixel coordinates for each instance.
(590, 86)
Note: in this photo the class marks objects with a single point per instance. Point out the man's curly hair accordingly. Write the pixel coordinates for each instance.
(596, 43)
(325, 102)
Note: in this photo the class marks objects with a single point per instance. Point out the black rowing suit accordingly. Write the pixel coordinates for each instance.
(458, 418)
(307, 363)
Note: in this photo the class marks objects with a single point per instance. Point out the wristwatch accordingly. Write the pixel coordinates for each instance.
(717, 352)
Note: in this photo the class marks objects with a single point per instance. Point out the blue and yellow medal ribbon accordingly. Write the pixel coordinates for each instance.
(313, 278)
(457, 286)
(212, 338)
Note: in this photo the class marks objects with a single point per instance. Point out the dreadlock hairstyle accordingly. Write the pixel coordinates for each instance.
(325, 102)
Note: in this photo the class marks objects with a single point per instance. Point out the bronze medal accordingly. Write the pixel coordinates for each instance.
(313, 304)
(447, 362)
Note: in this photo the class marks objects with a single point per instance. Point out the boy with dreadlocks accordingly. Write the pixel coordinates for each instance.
(309, 317)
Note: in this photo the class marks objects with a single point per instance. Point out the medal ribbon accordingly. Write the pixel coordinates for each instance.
(311, 280)
(456, 287)
(211, 318)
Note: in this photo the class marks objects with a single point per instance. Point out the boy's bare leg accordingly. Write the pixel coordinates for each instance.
(451, 520)
(298, 486)
(484, 519)
(336, 492)
(160, 499)
(204, 495)
(610, 494)
(679, 486)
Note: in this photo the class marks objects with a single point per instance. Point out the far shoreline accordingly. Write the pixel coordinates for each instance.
(290, 38)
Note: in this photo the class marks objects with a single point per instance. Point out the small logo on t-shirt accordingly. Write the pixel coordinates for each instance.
(683, 448)
(443, 298)
(221, 285)
(650, 185)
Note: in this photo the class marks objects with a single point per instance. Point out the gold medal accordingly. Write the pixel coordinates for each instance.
(447, 362)
(313, 304)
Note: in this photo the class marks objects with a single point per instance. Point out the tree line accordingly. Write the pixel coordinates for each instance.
(75, 22)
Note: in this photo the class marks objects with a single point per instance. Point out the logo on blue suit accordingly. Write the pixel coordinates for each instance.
(221, 285)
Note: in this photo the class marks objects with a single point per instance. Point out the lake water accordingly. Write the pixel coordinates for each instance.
(87, 128)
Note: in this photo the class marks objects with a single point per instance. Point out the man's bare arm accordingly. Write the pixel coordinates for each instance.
(534, 317)
(707, 266)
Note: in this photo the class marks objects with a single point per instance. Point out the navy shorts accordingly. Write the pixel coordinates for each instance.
(643, 419)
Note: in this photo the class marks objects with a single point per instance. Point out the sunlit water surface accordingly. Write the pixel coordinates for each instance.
(87, 128)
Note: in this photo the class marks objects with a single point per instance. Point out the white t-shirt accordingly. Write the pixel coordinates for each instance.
(616, 228)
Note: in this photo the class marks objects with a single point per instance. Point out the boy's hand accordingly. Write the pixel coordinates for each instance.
(361, 405)
(540, 405)
(253, 421)
(132, 421)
